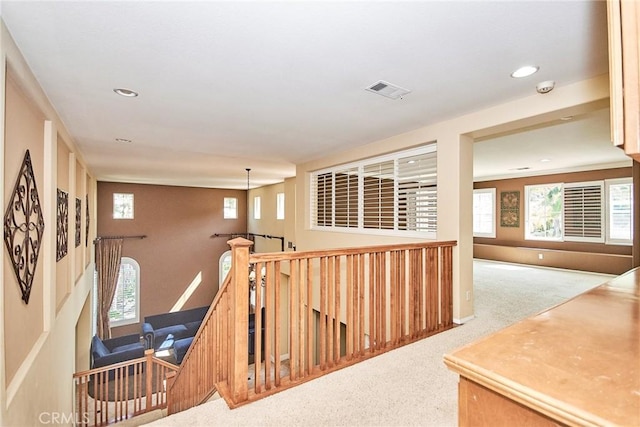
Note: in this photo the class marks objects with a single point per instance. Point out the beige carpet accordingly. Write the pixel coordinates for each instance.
(410, 386)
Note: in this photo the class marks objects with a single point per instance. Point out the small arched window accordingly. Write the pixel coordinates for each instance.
(125, 307)
(224, 266)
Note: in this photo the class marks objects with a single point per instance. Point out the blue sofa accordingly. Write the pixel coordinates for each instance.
(115, 350)
(180, 324)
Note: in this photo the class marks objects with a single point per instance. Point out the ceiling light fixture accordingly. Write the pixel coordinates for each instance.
(123, 140)
(545, 160)
(566, 118)
(525, 71)
(126, 92)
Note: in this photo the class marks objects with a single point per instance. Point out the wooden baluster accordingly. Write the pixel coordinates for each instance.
(361, 300)
(403, 296)
(382, 300)
(350, 338)
(301, 328)
(310, 340)
(277, 324)
(421, 304)
(413, 295)
(258, 326)
(148, 355)
(447, 285)
(336, 334)
(268, 330)
(330, 306)
(293, 318)
(372, 302)
(323, 313)
(394, 297)
(432, 287)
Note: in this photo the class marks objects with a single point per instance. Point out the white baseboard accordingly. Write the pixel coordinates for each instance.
(282, 357)
(464, 320)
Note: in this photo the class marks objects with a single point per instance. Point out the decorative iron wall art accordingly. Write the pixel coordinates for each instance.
(63, 224)
(510, 209)
(23, 227)
(86, 232)
(78, 222)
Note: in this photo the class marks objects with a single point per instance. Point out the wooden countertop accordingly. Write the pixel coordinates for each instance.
(578, 362)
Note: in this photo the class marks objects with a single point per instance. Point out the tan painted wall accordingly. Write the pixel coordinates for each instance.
(80, 191)
(267, 224)
(90, 220)
(37, 341)
(83, 335)
(24, 129)
(514, 236)
(511, 246)
(178, 223)
(63, 266)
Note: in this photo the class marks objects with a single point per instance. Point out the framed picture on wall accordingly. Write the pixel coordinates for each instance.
(510, 209)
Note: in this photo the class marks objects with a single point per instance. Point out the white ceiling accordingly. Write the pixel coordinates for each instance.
(226, 86)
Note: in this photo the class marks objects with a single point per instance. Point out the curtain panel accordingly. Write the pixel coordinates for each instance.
(108, 254)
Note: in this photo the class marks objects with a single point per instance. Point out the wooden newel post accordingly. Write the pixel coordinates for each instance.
(148, 354)
(171, 378)
(239, 327)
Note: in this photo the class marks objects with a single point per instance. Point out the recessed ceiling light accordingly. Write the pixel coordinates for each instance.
(126, 92)
(566, 118)
(545, 160)
(525, 71)
(122, 140)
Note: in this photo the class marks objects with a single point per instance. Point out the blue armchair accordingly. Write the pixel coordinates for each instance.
(115, 350)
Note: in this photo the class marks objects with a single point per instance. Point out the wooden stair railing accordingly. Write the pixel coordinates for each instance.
(117, 392)
(345, 306)
(323, 310)
(210, 364)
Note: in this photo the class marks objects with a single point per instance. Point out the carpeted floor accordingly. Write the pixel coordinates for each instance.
(410, 386)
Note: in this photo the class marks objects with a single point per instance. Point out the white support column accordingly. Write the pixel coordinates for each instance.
(49, 207)
(455, 215)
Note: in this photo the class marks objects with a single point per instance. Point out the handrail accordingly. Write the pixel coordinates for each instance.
(281, 256)
(120, 391)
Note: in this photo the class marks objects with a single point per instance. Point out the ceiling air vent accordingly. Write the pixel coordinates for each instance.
(387, 89)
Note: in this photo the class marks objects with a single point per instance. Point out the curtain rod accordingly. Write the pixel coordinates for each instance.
(266, 236)
(97, 239)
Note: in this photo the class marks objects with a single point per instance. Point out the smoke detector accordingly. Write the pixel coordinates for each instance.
(387, 89)
(546, 86)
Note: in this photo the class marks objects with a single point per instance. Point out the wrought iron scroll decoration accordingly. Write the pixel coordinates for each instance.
(23, 227)
(86, 232)
(62, 230)
(78, 221)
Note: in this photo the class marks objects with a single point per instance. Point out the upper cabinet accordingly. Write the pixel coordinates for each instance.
(624, 74)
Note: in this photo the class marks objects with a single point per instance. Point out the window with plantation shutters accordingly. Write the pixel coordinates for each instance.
(619, 212)
(378, 195)
(345, 189)
(583, 213)
(417, 192)
(391, 193)
(323, 199)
